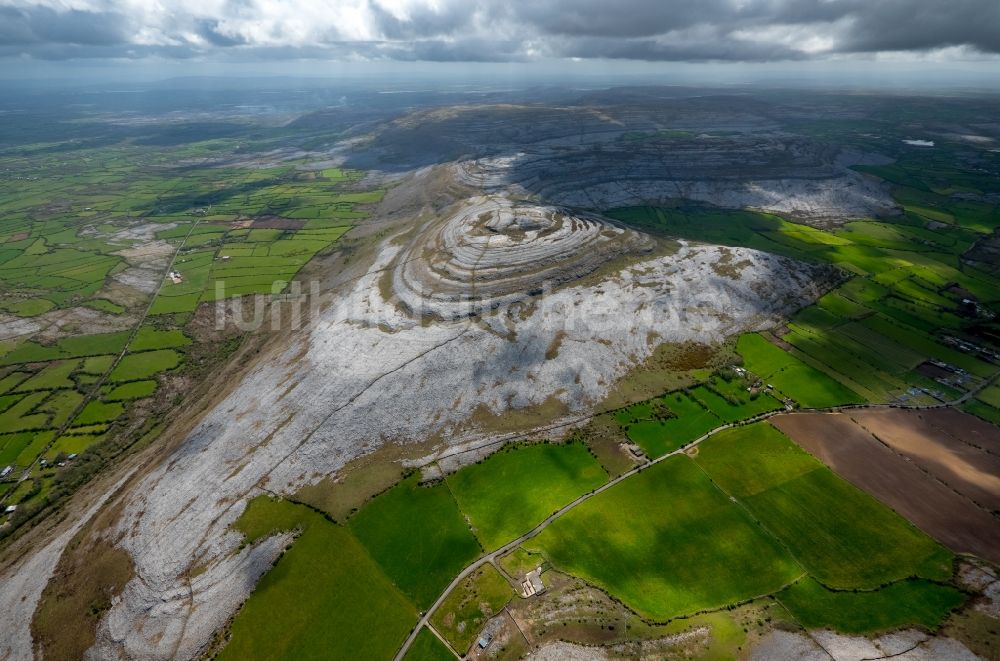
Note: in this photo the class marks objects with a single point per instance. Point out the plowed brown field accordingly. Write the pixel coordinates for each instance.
(962, 466)
(936, 508)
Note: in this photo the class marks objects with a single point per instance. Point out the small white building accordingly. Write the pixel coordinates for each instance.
(532, 583)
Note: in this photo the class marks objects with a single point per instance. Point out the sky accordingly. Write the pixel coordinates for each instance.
(46, 37)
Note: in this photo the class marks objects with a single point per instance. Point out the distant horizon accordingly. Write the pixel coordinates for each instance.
(982, 75)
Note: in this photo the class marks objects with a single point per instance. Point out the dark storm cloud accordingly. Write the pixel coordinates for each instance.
(497, 30)
(891, 25)
(452, 20)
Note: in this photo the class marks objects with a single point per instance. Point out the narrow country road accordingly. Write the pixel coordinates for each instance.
(492, 556)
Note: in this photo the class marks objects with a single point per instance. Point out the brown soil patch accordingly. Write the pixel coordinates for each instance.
(353, 487)
(775, 338)
(861, 459)
(727, 268)
(275, 223)
(932, 371)
(604, 438)
(553, 351)
(968, 428)
(965, 468)
(688, 355)
(90, 573)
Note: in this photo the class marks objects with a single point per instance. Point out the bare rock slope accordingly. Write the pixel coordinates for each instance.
(411, 361)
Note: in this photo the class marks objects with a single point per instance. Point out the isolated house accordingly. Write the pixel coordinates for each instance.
(532, 583)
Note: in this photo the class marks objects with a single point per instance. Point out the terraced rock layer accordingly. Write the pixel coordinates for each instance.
(495, 251)
(368, 372)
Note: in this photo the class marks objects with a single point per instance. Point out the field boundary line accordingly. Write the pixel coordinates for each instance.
(96, 386)
(444, 640)
(503, 550)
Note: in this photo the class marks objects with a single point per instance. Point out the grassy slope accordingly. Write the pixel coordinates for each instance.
(324, 599)
(418, 536)
(478, 598)
(842, 536)
(667, 542)
(906, 603)
(514, 490)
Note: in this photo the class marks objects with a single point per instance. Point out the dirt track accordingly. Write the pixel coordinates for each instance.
(861, 459)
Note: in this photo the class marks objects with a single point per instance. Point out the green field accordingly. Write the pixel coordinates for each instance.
(11, 446)
(324, 599)
(730, 403)
(667, 543)
(809, 387)
(904, 604)
(418, 536)
(129, 391)
(519, 562)
(137, 366)
(427, 647)
(865, 340)
(81, 205)
(71, 347)
(97, 411)
(842, 536)
(473, 601)
(990, 396)
(658, 437)
(983, 410)
(512, 491)
(53, 376)
(151, 338)
(266, 515)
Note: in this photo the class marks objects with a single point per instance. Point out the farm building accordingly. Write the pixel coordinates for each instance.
(532, 583)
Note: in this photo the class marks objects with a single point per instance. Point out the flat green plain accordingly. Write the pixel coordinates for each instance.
(841, 535)
(324, 599)
(904, 604)
(667, 543)
(418, 536)
(136, 366)
(427, 647)
(658, 437)
(512, 491)
(806, 385)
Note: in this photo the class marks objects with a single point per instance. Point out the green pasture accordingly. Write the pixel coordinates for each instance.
(515, 489)
(418, 536)
(906, 603)
(842, 536)
(667, 543)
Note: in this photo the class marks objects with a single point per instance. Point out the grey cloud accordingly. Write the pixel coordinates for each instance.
(680, 50)
(209, 31)
(516, 30)
(902, 25)
(426, 24)
(622, 18)
(42, 25)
